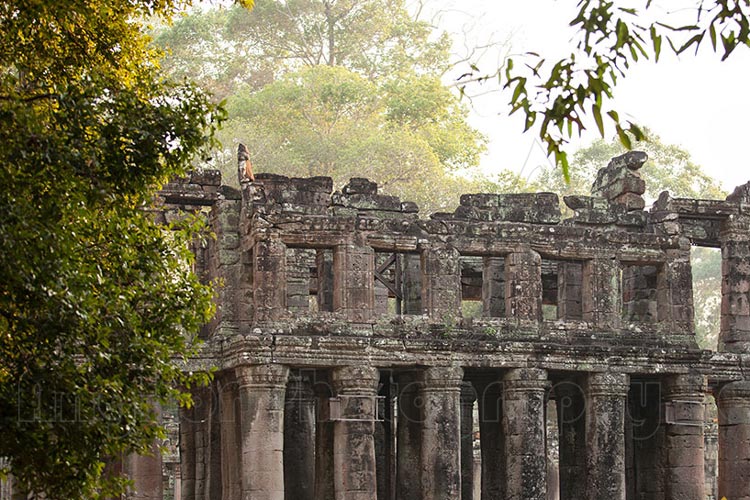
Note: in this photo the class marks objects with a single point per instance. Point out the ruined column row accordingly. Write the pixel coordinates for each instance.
(273, 433)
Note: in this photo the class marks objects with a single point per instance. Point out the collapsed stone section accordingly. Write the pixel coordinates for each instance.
(540, 208)
(620, 181)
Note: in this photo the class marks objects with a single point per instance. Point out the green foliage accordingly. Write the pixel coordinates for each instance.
(331, 121)
(95, 298)
(226, 49)
(611, 38)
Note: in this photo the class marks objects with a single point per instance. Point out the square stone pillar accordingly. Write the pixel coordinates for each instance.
(408, 437)
(353, 441)
(606, 397)
(269, 279)
(468, 397)
(675, 290)
(354, 282)
(299, 439)
(323, 437)
(602, 295)
(493, 287)
(441, 433)
(571, 416)
(187, 453)
(145, 472)
(231, 458)
(735, 287)
(262, 389)
(733, 400)
(523, 285)
(524, 426)
(442, 284)
(685, 471)
(492, 439)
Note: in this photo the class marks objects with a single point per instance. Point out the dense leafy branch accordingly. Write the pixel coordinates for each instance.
(611, 38)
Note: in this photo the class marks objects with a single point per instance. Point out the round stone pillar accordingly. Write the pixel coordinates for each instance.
(684, 467)
(733, 400)
(441, 433)
(262, 389)
(606, 397)
(524, 428)
(356, 390)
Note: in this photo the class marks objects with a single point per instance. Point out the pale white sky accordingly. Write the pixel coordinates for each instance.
(699, 102)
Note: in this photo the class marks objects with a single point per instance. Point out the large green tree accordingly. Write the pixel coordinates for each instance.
(343, 88)
(409, 135)
(96, 300)
(225, 49)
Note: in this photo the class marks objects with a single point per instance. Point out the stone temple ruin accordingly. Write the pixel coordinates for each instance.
(496, 352)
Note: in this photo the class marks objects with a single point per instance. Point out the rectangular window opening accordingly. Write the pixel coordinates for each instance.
(472, 270)
(309, 280)
(706, 267)
(398, 283)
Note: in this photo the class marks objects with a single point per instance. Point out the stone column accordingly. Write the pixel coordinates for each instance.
(523, 285)
(735, 287)
(733, 400)
(299, 440)
(262, 389)
(353, 441)
(145, 472)
(409, 437)
(354, 284)
(684, 467)
(323, 440)
(468, 396)
(524, 428)
(269, 279)
(493, 287)
(606, 396)
(442, 287)
(187, 453)
(571, 413)
(601, 292)
(231, 458)
(492, 439)
(675, 290)
(569, 284)
(441, 433)
(412, 284)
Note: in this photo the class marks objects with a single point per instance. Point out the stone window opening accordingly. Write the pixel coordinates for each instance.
(309, 280)
(643, 288)
(707, 282)
(562, 292)
(482, 286)
(398, 283)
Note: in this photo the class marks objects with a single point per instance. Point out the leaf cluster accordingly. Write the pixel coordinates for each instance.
(96, 300)
(611, 37)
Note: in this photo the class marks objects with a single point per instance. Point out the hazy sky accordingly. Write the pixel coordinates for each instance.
(696, 102)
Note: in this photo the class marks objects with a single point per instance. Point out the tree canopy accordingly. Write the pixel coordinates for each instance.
(96, 300)
(340, 88)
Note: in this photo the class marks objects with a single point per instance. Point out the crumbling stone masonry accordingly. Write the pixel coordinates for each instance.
(355, 343)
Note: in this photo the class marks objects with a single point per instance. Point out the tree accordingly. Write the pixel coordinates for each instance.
(343, 88)
(409, 135)
(612, 36)
(95, 298)
(226, 49)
